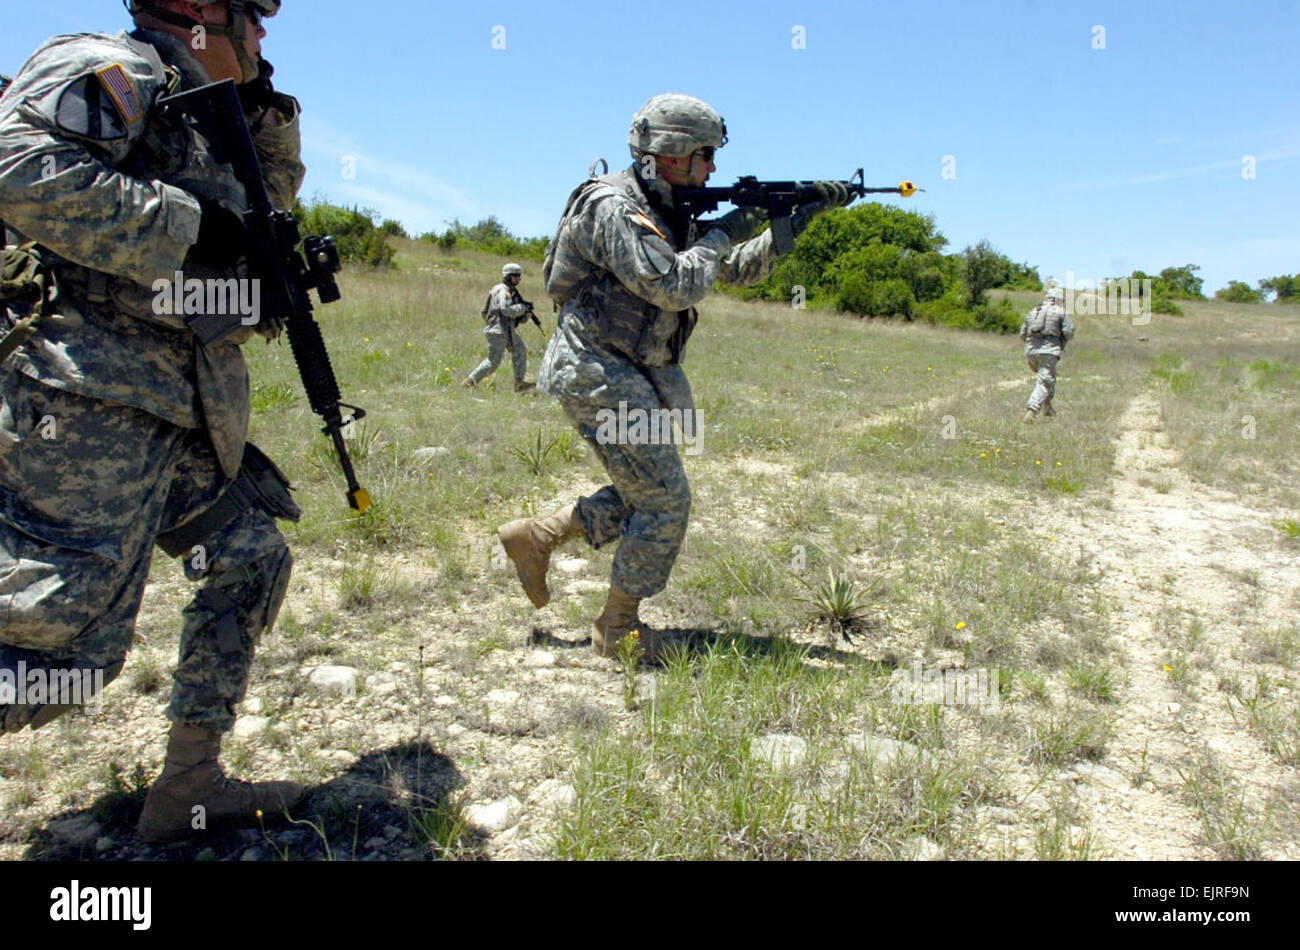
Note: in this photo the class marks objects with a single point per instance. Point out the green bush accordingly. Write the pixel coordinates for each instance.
(1182, 282)
(928, 284)
(358, 239)
(948, 310)
(875, 298)
(1161, 302)
(491, 237)
(983, 268)
(878, 260)
(1001, 317)
(1286, 287)
(1238, 292)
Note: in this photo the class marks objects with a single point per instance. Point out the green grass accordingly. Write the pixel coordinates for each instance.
(882, 463)
(687, 780)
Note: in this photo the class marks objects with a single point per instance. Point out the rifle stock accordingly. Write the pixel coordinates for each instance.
(287, 275)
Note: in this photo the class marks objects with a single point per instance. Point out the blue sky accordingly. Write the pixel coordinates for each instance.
(1073, 158)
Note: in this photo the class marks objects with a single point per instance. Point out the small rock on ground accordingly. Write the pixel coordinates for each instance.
(496, 816)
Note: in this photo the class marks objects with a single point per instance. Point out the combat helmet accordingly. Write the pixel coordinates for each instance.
(675, 125)
(1055, 293)
(233, 30)
(514, 269)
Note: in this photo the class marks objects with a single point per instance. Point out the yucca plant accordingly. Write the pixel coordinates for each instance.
(839, 601)
(534, 454)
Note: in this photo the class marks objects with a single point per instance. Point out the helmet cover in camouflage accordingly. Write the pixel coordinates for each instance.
(509, 269)
(676, 125)
(1055, 292)
(269, 8)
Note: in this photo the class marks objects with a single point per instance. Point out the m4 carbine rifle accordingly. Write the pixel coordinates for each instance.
(780, 199)
(530, 315)
(286, 274)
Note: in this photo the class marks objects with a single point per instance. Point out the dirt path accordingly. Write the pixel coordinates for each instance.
(892, 415)
(1171, 548)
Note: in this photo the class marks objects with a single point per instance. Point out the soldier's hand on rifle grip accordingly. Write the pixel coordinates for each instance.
(738, 225)
(222, 240)
(800, 220)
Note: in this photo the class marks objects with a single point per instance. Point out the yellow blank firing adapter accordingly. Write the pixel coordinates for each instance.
(360, 500)
(906, 189)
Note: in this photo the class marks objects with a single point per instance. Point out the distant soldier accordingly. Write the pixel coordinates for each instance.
(1046, 330)
(629, 268)
(503, 312)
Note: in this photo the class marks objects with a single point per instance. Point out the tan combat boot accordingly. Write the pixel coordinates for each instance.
(529, 543)
(192, 779)
(1029, 416)
(618, 620)
(524, 387)
(467, 383)
(1048, 411)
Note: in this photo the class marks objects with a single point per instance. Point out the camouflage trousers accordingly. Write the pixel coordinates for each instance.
(1044, 365)
(85, 488)
(648, 504)
(497, 343)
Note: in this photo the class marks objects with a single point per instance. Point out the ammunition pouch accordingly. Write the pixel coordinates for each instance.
(22, 274)
(636, 328)
(260, 484)
(26, 285)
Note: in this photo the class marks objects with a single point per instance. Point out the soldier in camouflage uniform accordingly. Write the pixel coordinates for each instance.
(504, 312)
(628, 269)
(1046, 330)
(123, 424)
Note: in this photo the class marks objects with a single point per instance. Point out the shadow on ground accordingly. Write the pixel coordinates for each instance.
(397, 804)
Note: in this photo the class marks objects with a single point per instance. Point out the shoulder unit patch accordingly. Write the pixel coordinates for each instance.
(646, 222)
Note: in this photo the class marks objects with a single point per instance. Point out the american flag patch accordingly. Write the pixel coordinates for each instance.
(123, 93)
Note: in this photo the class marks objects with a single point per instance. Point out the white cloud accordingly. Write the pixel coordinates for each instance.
(415, 196)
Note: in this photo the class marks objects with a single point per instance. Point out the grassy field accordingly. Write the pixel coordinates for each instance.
(887, 460)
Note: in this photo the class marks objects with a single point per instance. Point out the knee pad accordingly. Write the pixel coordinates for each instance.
(247, 600)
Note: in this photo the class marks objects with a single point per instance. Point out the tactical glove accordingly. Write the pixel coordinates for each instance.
(834, 194)
(739, 225)
(800, 220)
(222, 240)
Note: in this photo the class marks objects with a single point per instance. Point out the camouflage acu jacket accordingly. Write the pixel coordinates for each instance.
(629, 279)
(502, 311)
(89, 172)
